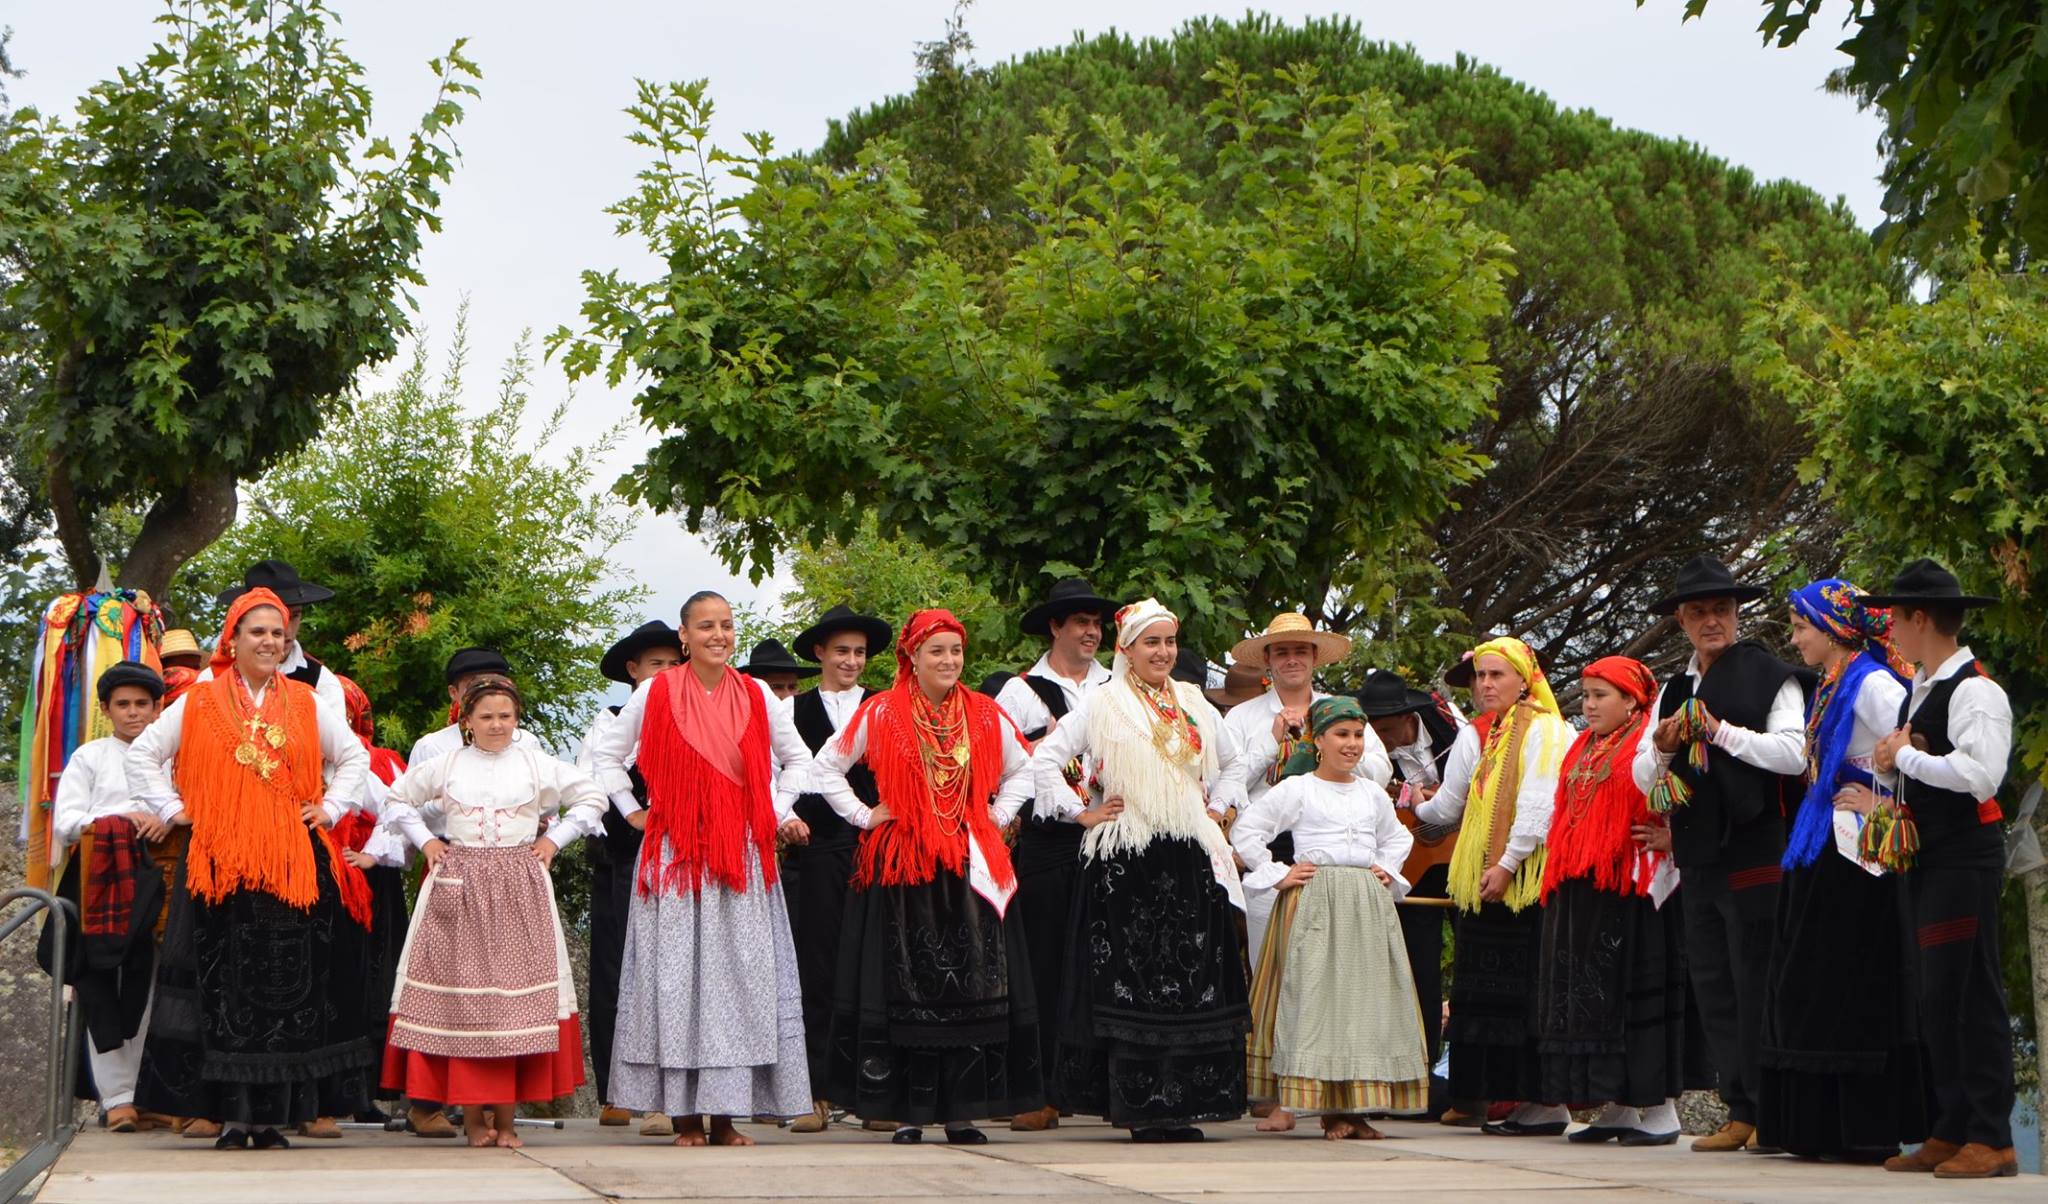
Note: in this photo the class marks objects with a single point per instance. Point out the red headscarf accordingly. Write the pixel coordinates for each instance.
(913, 846)
(1597, 800)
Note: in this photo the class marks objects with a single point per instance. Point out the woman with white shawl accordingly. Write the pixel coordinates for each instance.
(1155, 1006)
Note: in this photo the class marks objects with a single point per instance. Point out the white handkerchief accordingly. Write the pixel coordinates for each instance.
(1849, 837)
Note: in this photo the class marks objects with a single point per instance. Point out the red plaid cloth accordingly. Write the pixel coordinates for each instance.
(109, 886)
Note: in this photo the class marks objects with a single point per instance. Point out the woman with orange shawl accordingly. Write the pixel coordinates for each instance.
(710, 1020)
(933, 1017)
(260, 1019)
(1498, 790)
(1610, 992)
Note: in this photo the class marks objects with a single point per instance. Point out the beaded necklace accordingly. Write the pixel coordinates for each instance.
(1595, 766)
(942, 748)
(1174, 732)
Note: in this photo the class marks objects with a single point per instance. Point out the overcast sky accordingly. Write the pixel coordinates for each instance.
(543, 150)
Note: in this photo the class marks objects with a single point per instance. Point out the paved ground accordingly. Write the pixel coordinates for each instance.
(1079, 1162)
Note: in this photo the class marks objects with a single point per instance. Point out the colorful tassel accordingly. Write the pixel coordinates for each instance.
(1670, 791)
(1890, 838)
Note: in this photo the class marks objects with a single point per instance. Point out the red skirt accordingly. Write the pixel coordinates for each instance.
(529, 1078)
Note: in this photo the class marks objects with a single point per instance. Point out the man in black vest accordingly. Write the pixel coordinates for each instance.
(1418, 730)
(284, 581)
(650, 648)
(1048, 851)
(818, 862)
(1950, 752)
(1727, 757)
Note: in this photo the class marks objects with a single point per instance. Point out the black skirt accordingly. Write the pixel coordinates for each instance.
(815, 883)
(1492, 1029)
(1610, 999)
(260, 1009)
(1155, 1007)
(933, 1018)
(1843, 1072)
(384, 945)
(1048, 860)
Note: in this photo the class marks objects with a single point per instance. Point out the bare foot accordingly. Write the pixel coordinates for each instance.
(479, 1136)
(1279, 1120)
(1264, 1108)
(1337, 1128)
(509, 1140)
(722, 1133)
(1361, 1131)
(690, 1130)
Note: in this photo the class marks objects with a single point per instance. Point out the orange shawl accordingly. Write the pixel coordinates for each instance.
(246, 830)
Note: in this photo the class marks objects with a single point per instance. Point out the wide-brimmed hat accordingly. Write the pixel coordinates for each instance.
(180, 642)
(280, 579)
(652, 634)
(1242, 682)
(769, 656)
(1386, 693)
(843, 618)
(1292, 627)
(1925, 583)
(1704, 577)
(1065, 598)
(1191, 667)
(475, 660)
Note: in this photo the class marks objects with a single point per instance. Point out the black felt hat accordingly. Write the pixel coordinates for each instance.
(1066, 598)
(129, 673)
(652, 634)
(843, 618)
(1387, 693)
(769, 656)
(280, 579)
(1460, 674)
(1925, 583)
(1191, 667)
(1704, 577)
(475, 660)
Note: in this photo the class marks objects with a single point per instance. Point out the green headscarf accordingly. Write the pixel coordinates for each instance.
(1321, 715)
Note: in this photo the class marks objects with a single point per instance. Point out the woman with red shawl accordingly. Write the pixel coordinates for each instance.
(1610, 986)
(933, 1017)
(710, 1020)
(260, 1015)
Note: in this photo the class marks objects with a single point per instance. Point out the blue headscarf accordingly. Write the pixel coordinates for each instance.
(1836, 608)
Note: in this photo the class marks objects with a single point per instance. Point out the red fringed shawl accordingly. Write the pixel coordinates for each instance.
(911, 848)
(702, 816)
(1597, 804)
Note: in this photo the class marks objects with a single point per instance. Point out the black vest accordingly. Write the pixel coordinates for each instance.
(814, 723)
(1055, 700)
(307, 674)
(1735, 818)
(1442, 731)
(1953, 834)
(621, 843)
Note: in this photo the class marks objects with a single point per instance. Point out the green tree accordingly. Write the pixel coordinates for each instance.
(1928, 437)
(1182, 394)
(1963, 87)
(207, 255)
(1622, 437)
(439, 528)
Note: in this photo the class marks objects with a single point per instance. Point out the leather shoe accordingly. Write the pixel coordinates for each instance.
(1979, 1161)
(966, 1137)
(1637, 1137)
(123, 1119)
(907, 1137)
(233, 1139)
(429, 1124)
(1457, 1119)
(1595, 1134)
(1932, 1153)
(614, 1118)
(1035, 1122)
(324, 1127)
(270, 1139)
(201, 1129)
(1515, 1128)
(1732, 1136)
(654, 1124)
(815, 1120)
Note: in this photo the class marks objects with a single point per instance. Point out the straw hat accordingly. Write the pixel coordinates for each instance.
(179, 642)
(1290, 627)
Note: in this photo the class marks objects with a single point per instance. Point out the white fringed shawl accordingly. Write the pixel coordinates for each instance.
(1161, 798)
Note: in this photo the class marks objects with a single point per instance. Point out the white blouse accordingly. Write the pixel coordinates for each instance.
(1548, 739)
(615, 746)
(94, 785)
(1334, 823)
(495, 799)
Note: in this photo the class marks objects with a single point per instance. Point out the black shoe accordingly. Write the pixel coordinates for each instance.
(1595, 1134)
(1185, 1133)
(373, 1115)
(1763, 1149)
(1515, 1128)
(966, 1137)
(1149, 1136)
(270, 1139)
(908, 1137)
(232, 1139)
(1638, 1137)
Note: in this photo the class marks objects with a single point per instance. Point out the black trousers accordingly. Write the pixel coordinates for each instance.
(611, 889)
(1963, 1016)
(1422, 931)
(1730, 923)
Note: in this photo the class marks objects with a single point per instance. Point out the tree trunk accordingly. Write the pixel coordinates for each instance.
(178, 527)
(74, 525)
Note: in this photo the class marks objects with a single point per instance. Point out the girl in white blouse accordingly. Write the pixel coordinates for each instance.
(484, 1013)
(1336, 1028)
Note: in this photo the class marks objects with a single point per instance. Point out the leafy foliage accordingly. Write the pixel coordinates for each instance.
(1963, 86)
(440, 529)
(1189, 381)
(207, 254)
(1623, 440)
